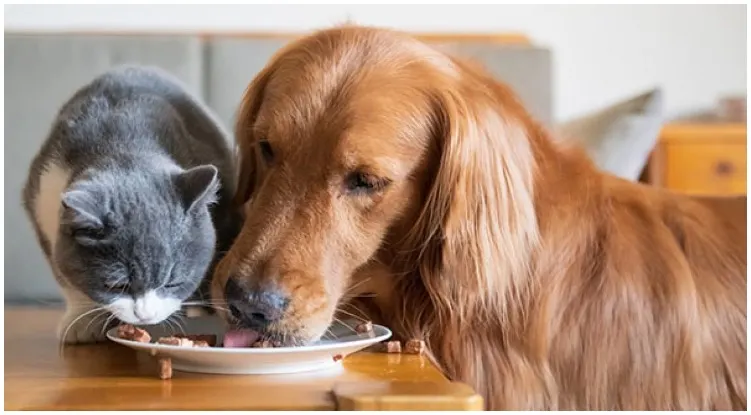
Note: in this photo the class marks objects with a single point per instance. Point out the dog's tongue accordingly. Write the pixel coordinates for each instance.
(240, 338)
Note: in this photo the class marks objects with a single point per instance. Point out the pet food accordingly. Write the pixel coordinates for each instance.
(201, 343)
(175, 341)
(394, 346)
(414, 346)
(365, 327)
(263, 344)
(240, 338)
(165, 368)
(182, 342)
(130, 332)
(338, 357)
(206, 338)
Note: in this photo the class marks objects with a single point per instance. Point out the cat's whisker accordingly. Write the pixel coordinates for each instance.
(176, 323)
(169, 325)
(107, 323)
(95, 318)
(356, 317)
(351, 288)
(357, 309)
(205, 303)
(338, 320)
(330, 334)
(72, 323)
(180, 320)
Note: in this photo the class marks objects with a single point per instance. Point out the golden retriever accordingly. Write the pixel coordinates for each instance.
(372, 163)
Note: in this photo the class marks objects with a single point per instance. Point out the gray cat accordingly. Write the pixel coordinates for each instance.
(129, 197)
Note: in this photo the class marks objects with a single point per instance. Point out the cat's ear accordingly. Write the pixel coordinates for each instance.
(198, 186)
(81, 208)
(82, 215)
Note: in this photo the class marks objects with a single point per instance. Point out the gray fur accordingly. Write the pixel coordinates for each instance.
(133, 140)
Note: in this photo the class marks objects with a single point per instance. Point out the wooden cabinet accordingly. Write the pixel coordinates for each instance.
(695, 158)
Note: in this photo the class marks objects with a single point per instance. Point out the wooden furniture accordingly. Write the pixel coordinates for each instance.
(707, 158)
(39, 375)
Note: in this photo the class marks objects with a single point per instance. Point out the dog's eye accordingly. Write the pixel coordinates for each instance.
(266, 151)
(359, 183)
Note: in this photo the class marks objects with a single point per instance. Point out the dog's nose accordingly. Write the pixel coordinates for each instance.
(254, 308)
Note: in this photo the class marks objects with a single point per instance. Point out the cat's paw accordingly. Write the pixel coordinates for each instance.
(74, 329)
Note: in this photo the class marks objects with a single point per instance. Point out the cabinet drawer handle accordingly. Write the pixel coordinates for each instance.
(724, 168)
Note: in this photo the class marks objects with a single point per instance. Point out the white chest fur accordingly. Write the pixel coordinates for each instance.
(47, 205)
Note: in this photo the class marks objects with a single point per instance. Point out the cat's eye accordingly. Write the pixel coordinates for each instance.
(363, 183)
(266, 151)
(90, 233)
(173, 285)
(119, 286)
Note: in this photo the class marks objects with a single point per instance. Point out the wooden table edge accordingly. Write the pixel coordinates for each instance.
(407, 396)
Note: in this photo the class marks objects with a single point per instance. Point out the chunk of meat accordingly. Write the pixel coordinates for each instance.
(394, 346)
(165, 368)
(207, 338)
(364, 327)
(414, 346)
(132, 333)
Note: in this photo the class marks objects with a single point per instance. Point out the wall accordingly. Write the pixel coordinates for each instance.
(602, 53)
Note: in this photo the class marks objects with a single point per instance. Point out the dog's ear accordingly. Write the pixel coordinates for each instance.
(246, 145)
(478, 223)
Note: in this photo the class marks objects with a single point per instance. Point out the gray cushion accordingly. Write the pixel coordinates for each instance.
(621, 136)
(233, 62)
(41, 72)
(230, 66)
(526, 69)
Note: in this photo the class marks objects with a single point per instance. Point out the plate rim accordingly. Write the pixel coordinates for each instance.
(255, 350)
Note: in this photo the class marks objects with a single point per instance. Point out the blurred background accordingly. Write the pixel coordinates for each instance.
(656, 93)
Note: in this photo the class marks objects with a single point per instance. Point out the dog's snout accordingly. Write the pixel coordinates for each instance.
(255, 308)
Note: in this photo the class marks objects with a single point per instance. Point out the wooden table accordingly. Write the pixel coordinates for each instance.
(41, 376)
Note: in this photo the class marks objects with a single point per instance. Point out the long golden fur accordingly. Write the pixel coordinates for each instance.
(535, 278)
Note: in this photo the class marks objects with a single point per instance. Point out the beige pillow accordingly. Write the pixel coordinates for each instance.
(620, 137)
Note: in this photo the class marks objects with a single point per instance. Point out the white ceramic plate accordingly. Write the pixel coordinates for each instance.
(253, 361)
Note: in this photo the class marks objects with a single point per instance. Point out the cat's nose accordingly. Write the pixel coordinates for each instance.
(146, 309)
(144, 312)
(257, 308)
(145, 315)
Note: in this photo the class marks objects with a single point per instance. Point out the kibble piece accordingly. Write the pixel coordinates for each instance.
(365, 327)
(338, 357)
(394, 346)
(414, 346)
(165, 368)
(142, 336)
(175, 341)
(208, 338)
(172, 341)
